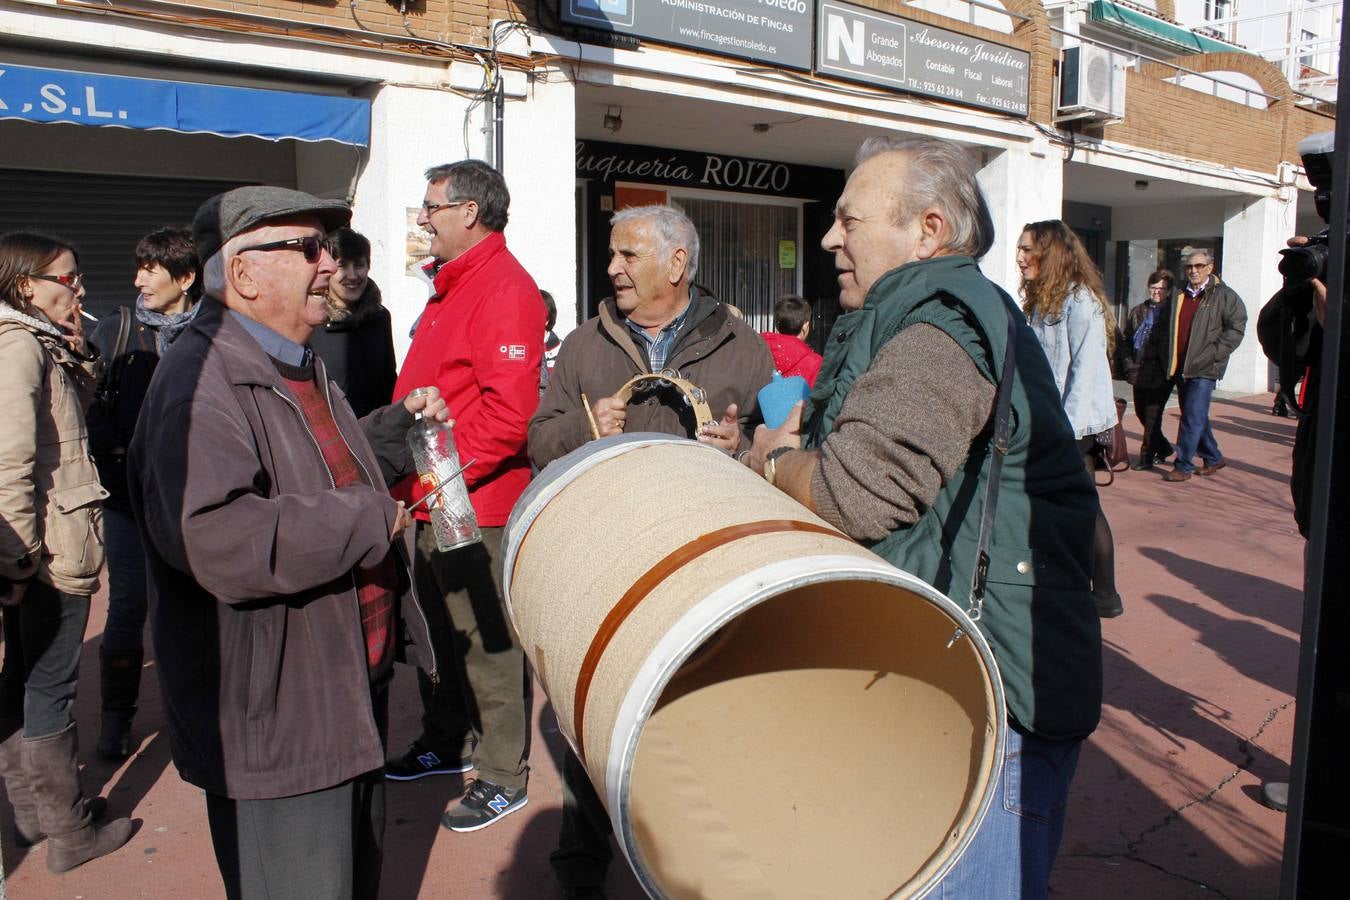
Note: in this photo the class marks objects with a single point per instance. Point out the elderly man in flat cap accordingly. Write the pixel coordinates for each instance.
(279, 565)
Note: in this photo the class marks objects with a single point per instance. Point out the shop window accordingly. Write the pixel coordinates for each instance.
(1307, 39)
(1218, 9)
(749, 254)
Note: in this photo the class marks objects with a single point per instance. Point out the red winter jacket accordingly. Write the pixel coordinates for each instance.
(791, 356)
(480, 340)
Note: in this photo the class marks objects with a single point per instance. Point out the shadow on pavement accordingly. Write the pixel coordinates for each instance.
(1242, 592)
(1173, 855)
(1233, 640)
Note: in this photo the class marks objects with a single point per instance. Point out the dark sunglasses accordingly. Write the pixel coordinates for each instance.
(311, 246)
(71, 281)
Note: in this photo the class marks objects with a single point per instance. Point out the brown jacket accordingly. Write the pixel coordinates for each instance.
(250, 548)
(49, 490)
(714, 350)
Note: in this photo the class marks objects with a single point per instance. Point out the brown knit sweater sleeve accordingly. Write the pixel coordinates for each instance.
(905, 428)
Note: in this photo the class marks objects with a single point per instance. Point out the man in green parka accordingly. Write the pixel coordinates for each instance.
(895, 450)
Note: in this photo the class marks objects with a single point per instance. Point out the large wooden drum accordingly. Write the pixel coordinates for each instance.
(766, 708)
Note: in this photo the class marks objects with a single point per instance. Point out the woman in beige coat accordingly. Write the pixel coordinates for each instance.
(51, 548)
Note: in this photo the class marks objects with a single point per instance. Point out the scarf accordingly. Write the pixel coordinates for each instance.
(1146, 326)
(37, 323)
(166, 328)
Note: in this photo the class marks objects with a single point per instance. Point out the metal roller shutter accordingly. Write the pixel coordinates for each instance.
(103, 216)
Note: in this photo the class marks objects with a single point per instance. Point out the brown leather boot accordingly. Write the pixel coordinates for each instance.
(53, 777)
(27, 831)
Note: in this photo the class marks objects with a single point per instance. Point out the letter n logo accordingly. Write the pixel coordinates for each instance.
(839, 40)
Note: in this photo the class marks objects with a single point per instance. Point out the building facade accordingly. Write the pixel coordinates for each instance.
(745, 112)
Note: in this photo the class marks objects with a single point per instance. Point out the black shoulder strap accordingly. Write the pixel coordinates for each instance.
(999, 448)
(110, 374)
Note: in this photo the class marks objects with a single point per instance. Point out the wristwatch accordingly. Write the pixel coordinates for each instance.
(771, 464)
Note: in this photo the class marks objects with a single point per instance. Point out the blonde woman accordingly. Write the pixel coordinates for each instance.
(51, 547)
(1065, 304)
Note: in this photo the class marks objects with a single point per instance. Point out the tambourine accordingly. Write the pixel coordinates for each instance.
(694, 396)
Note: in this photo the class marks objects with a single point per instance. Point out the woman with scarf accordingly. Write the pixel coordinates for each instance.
(1065, 304)
(1144, 349)
(356, 344)
(51, 548)
(130, 343)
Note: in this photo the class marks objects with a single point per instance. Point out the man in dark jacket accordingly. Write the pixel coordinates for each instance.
(1206, 325)
(656, 322)
(279, 565)
(898, 455)
(130, 343)
(356, 342)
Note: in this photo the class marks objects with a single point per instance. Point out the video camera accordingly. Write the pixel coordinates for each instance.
(1287, 326)
(1302, 264)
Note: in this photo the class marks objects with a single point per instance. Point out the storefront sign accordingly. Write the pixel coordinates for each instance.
(603, 161)
(771, 31)
(888, 51)
(55, 95)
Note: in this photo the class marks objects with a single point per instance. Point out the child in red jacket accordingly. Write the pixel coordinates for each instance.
(791, 355)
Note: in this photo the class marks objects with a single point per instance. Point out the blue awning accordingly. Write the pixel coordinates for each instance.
(56, 95)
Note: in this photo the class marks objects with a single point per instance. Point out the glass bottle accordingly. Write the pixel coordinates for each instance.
(433, 450)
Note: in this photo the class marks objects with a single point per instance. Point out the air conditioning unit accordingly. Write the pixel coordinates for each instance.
(1091, 85)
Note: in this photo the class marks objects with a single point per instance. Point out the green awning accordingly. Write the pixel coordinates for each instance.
(1148, 27)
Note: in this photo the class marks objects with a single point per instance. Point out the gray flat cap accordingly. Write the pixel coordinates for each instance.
(234, 212)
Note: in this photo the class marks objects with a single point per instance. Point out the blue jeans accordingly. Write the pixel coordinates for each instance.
(1195, 435)
(1014, 850)
(125, 631)
(43, 638)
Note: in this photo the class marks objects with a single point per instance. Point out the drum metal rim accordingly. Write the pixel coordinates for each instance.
(702, 621)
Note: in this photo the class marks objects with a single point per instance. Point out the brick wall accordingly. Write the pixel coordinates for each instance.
(1159, 116)
(1174, 119)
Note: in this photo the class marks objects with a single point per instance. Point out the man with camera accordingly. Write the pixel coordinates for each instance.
(1208, 320)
(1290, 329)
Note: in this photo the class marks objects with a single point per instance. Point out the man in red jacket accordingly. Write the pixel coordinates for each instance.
(480, 340)
(787, 343)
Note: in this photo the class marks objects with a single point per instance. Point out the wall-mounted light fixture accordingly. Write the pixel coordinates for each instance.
(1141, 184)
(613, 118)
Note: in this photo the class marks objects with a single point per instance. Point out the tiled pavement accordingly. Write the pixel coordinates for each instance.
(1199, 679)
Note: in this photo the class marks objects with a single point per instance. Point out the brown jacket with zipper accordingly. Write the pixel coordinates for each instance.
(50, 494)
(254, 612)
(714, 350)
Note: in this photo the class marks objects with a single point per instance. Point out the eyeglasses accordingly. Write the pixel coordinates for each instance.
(311, 246)
(430, 208)
(1156, 289)
(1195, 265)
(71, 281)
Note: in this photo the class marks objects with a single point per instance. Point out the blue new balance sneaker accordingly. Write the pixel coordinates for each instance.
(482, 804)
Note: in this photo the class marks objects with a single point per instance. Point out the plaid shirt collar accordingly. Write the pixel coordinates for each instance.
(659, 347)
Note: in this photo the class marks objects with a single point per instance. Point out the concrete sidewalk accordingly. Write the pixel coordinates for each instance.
(1199, 710)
